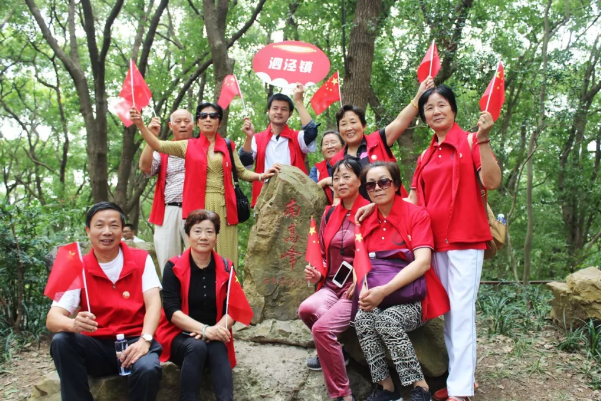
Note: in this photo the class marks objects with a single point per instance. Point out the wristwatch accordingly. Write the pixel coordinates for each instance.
(147, 337)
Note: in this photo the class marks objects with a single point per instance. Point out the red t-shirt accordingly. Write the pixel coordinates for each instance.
(438, 189)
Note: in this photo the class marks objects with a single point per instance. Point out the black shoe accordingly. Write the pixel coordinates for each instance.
(420, 394)
(314, 364)
(379, 394)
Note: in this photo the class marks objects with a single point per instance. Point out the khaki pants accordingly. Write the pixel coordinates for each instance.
(168, 237)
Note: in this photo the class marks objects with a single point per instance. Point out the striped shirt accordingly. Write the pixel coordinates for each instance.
(174, 180)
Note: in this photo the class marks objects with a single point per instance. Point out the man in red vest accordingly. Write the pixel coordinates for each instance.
(279, 144)
(123, 294)
(166, 212)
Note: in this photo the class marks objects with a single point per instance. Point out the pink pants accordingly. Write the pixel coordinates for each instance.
(327, 316)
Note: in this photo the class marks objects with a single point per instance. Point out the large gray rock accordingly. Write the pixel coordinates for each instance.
(275, 259)
(264, 372)
(578, 299)
(290, 332)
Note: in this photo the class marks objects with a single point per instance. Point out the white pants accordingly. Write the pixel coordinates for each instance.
(459, 272)
(168, 237)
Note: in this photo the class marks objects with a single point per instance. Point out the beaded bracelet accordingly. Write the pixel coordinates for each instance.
(413, 104)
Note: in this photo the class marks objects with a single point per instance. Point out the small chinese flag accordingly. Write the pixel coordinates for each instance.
(430, 64)
(361, 264)
(494, 96)
(238, 307)
(326, 95)
(66, 273)
(313, 255)
(135, 89)
(229, 90)
(122, 110)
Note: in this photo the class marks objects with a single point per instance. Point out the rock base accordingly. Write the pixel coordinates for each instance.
(578, 299)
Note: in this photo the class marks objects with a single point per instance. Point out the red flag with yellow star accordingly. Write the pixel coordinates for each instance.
(328, 94)
(237, 305)
(66, 273)
(430, 65)
(494, 96)
(229, 90)
(361, 264)
(313, 255)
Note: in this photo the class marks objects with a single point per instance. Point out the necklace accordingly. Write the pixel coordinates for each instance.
(344, 233)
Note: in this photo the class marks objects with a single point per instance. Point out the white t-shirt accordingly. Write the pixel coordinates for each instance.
(70, 299)
(277, 150)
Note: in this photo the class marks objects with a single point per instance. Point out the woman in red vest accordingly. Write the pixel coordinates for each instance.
(208, 183)
(448, 182)
(328, 312)
(194, 330)
(398, 233)
(321, 173)
(376, 146)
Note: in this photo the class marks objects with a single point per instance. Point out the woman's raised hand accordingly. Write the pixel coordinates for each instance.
(428, 83)
(135, 116)
(485, 124)
(312, 275)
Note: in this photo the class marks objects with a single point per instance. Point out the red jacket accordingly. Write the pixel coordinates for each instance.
(157, 213)
(297, 157)
(402, 215)
(322, 172)
(376, 151)
(329, 229)
(195, 183)
(468, 222)
(167, 331)
(119, 308)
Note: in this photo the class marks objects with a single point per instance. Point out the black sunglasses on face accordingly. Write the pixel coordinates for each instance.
(383, 183)
(214, 115)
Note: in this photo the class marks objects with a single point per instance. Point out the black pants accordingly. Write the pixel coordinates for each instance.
(192, 356)
(76, 356)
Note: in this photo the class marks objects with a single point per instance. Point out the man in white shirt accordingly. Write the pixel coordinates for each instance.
(123, 294)
(129, 233)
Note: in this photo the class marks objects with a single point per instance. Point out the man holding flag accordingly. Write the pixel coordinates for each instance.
(279, 143)
(121, 296)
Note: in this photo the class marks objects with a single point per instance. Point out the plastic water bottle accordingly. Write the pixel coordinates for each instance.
(501, 218)
(120, 346)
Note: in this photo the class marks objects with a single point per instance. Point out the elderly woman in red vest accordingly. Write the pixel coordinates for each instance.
(321, 173)
(447, 182)
(376, 146)
(399, 240)
(208, 183)
(194, 328)
(328, 312)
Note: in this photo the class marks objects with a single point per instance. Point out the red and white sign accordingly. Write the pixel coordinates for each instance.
(285, 63)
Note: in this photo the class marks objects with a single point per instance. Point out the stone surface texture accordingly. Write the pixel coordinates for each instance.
(578, 299)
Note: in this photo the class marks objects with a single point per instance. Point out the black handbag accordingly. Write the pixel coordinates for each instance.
(242, 203)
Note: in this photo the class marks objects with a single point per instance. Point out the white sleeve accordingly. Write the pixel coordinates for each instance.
(253, 148)
(150, 278)
(69, 301)
(301, 141)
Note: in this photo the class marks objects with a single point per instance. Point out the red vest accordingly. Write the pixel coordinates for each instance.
(297, 157)
(376, 151)
(119, 308)
(167, 331)
(467, 218)
(157, 213)
(333, 225)
(436, 302)
(195, 183)
(322, 172)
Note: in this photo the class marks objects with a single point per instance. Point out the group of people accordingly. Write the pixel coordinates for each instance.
(441, 223)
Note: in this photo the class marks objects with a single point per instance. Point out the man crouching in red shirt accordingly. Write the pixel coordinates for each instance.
(124, 298)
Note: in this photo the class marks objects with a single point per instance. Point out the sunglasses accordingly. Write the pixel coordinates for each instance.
(214, 115)
(383, 183)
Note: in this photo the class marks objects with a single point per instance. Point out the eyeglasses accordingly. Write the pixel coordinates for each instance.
(214, 115)
(384, 184)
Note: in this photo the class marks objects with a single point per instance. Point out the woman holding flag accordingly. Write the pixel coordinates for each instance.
(399, 239)
(208, 183)
(328, 312)
(449, 179)
(201, 300)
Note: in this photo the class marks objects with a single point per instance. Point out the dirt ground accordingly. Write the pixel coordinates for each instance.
(508, 370)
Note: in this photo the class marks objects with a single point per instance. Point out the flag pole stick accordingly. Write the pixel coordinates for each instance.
(131, 76)
(85, 283)
(492, 87)
(227, 300)
(240, 92)
(431, 59)
(154, 113)
(339, 91)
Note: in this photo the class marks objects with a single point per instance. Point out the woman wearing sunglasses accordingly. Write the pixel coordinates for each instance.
(208, 183)
(328, 312)
(376, 146)
(399, 233)
(447, 182)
